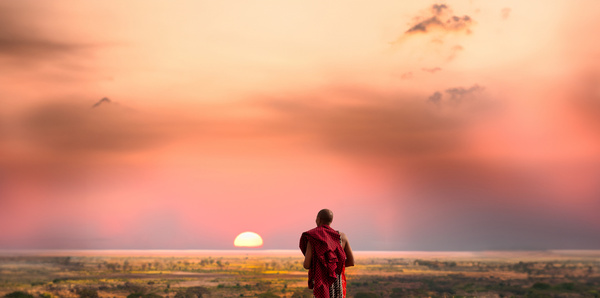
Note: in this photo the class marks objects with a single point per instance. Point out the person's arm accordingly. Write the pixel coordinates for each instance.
(348, 251)
(308, 256)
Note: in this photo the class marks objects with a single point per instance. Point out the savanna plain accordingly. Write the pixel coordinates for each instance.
(264, 273)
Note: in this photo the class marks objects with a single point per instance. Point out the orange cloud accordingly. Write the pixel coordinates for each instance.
(506, 13)
(431, 70)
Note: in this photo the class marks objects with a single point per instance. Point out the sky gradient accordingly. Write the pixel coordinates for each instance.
(452, 125)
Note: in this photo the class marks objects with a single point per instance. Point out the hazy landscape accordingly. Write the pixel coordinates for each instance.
(279, 273)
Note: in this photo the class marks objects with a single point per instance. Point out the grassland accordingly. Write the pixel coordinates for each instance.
(280, 274)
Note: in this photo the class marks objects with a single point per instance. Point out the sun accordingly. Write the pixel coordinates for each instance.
(248, 239)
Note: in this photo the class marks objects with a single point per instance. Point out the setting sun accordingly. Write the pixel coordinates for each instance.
(248, 239)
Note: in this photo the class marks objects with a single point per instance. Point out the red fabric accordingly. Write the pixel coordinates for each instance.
(327, 261)
(344, 282)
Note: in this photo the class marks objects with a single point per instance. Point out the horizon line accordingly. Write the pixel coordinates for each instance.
(114, 251)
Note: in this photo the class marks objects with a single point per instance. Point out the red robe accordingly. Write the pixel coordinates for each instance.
(328, 259)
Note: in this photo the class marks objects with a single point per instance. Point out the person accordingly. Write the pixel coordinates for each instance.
(326, 254)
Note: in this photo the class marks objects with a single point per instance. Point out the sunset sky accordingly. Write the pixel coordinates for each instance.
(423, 125)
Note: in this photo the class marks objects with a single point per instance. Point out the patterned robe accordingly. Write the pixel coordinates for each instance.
(326, 273)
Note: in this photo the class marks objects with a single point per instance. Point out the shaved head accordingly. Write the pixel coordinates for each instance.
(325, 216)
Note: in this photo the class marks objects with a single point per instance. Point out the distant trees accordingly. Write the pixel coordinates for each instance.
(434, 264)
(87, 292)
(523, 267)
(19, 294)
(112, 266)
(192, 292)
(126, 265)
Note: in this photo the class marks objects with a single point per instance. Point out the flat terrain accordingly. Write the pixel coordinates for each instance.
(280, 274)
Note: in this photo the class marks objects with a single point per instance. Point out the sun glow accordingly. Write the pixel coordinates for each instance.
(248, 239)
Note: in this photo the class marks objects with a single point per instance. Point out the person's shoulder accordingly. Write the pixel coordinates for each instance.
(343, 236)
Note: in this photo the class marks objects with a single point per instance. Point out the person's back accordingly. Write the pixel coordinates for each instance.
(326, 254)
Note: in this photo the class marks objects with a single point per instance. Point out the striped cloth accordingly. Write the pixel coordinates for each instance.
(338, 288)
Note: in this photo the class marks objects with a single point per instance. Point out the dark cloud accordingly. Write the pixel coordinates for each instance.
(458, 95)
(80, 130)
(438, 9)
(25, 38)
(442, 26)
(101, 101)
(398, 127)
(431, 70)
(441, 20)
(64, 143)
(69, 128)
(426, 25)
(435, 98)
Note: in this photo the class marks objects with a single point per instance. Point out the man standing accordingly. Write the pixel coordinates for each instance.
(326, 254)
